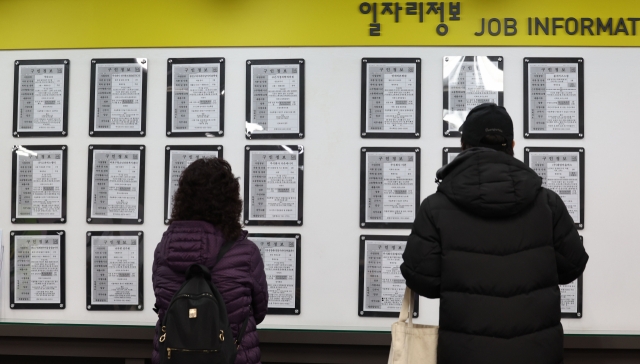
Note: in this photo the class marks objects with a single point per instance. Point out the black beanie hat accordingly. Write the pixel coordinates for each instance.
(485, 119)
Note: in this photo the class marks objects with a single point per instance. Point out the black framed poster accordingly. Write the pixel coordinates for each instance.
(41, 98)
(449, 154)
(571, 298)
(468, 81)
(273, 185)
(381, 284)
(390, 98)
(37, 269)
(115, 271)
(281, 256)
(195, 97)
(562, 171)
(275, 99)
(39, 184)
(118, 104)
(389, 187)
(553, 98)
(115, 184)
(176, 159)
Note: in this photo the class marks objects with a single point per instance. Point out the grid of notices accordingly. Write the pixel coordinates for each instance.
(384, 285)
(275, 99)
(39, 183)
(41, 97)
(118, 97)
(391, 97)
(560, 172)
(390, 187)
(273, 185)
(115, 184)
(554, 103)
(114, 270)
(196, 97)
(37, 269)
(279, 257)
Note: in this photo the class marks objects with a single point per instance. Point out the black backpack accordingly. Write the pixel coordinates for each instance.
(196, 328)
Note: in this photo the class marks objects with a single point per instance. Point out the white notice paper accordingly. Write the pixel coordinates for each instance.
(553, 98)
(273, 187)
(569, 297)
(41, 98)
(390, 187)
(560, 172)
(275, 98)
(114, 267)
(391, 97)
(118, 97)
(37, 269)
(196, 98)
(384, 285)
(470, 81)
(279, 257)
(39, 185)
(116, 184)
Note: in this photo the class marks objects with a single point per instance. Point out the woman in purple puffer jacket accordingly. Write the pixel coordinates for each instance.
(206, 213)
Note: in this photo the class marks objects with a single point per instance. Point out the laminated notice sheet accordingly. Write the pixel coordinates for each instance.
(37, 270)
(382, 286)
(114, 270)
(281, 257)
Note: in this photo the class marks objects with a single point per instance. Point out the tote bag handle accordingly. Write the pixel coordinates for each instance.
(406, 312)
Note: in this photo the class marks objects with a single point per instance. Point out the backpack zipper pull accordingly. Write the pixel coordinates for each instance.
(168, 353)
(164, 336)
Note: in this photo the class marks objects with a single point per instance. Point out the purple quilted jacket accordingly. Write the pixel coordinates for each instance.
(239, 276)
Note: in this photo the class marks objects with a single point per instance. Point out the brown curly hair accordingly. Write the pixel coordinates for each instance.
(208, 191)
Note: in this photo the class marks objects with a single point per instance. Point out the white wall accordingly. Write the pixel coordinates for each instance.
(330, 235)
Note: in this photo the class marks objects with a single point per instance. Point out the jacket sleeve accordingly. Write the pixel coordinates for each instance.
(154, 268)
(571, 258)
(422, 256)
(159, 285)
(259, 290)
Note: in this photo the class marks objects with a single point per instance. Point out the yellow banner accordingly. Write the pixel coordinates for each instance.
(46, 24)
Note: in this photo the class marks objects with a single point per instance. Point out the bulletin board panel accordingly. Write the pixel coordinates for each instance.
(332, 146)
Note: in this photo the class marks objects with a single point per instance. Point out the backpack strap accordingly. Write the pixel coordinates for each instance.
(243, 328)
(223, 250)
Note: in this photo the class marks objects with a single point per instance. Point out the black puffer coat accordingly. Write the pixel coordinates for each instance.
(493, 245)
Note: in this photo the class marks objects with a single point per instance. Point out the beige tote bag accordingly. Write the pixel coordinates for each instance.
(412, 343)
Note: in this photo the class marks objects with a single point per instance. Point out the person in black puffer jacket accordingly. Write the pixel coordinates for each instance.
(493, 245)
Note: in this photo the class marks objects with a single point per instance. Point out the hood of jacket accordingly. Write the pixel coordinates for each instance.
(489, 183)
